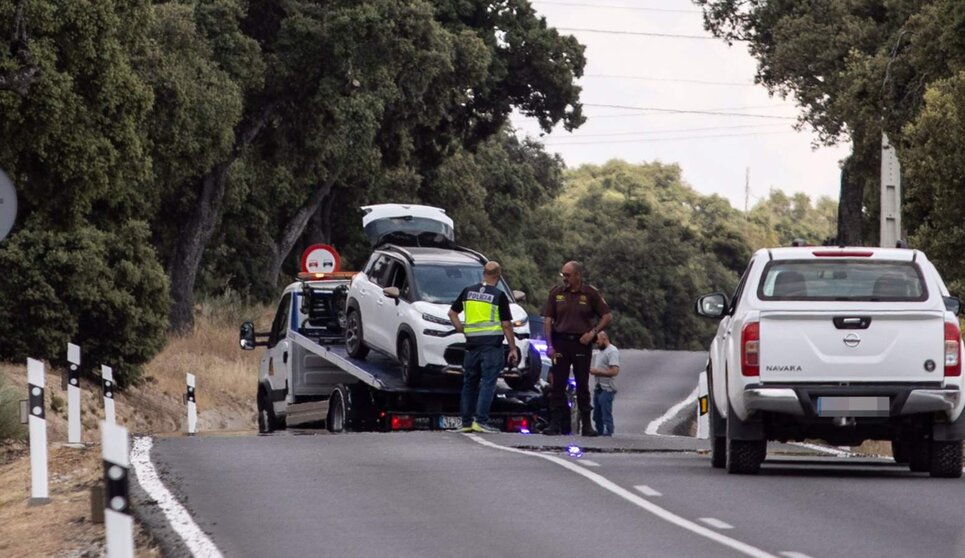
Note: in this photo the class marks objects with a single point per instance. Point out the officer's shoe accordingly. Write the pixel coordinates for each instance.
(465, 429)
(552, 430)
(589, 432)
(483, 428)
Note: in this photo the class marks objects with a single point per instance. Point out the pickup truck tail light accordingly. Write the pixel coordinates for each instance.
(953, 340)
(751, 349)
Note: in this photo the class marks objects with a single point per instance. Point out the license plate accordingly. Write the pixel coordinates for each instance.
(449, 423)
(853, 406)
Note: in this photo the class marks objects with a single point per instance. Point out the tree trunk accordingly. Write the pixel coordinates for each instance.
(295, 227)
(849, 206)
(200, 226)
(20, 80)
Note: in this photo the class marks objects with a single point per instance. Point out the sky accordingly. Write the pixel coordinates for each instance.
(718, 154)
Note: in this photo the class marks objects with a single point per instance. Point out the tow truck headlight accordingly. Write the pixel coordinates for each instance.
(436, 319)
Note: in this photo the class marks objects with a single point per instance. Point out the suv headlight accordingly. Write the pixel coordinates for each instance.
(521, 323)
(436, 319)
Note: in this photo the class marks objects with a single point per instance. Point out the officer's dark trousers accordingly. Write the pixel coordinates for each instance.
(573, 354)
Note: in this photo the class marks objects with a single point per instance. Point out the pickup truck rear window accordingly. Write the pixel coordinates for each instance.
(842, 280)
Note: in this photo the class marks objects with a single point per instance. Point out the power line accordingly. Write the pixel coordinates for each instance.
(614, 7)
(682, 111)
(678, 138)
(674, 80)
(637, 33)
(577, 135)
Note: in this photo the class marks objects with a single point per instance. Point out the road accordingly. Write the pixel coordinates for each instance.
(425, 494)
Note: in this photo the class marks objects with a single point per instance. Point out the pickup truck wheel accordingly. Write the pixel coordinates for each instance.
(718, 436)
(946, 459)
(354, 340)
(335, 422)
(267, 422)
(744, 457)
(410, 361)
(919, 456)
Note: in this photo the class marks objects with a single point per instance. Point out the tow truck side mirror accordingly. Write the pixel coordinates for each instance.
(712, 305)
(249, 339)
(519, 296)
(953, 304)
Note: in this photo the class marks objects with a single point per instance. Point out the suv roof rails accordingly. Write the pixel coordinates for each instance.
(398, 249)
(482, 259)
(402, 250)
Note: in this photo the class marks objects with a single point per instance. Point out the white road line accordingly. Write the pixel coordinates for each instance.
(716, 523)
(646, 490)
(636, 500)
(589, 463)
(180, 520)
(788, 554)
(654, 426)
(833, 451)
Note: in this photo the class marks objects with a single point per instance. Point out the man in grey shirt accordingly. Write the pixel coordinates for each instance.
(606, 365)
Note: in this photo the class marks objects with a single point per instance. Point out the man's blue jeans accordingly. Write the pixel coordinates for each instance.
(480, 370)
(603, 411)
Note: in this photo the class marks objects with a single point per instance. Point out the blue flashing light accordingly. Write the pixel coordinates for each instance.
(524, 431)
(572, 382)
(574, 451)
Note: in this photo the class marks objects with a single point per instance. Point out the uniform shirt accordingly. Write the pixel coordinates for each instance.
(610, 356)
(502, 303)
(574, 312)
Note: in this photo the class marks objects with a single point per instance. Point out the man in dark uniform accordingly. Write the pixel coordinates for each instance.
(573, 315)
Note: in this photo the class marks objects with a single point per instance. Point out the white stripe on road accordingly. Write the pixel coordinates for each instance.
(589, 463)
(833, 451)
(180, 520)
(646, 490)
(638, 501)
(788, 554)
(654, 426)
(716, 523)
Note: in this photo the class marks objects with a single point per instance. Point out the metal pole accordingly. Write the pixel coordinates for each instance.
(890, 195)
(117, 501)
(73, 395)
(107, 381)
(38, 433)
(192, 407)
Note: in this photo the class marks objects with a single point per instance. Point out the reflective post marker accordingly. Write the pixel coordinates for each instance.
(192, 407)
(703, 407)
(107, 381)
(38, 433)
(73, 395)
(118, 521)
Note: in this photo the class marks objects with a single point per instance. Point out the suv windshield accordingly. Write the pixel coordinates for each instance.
(442, 283)
(842, 280)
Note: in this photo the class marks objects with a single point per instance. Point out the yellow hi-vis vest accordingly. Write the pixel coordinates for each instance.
(482, 312)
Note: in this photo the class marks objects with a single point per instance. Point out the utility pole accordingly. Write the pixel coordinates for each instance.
(890, 195)
(747, 189)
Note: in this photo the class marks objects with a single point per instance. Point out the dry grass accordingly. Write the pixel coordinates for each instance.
(226, 382)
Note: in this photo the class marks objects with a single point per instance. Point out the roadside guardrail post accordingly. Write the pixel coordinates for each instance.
(107, 381)
(38, 433)
(73, 395)
(118, 521)
(192, 407)
(703, 407)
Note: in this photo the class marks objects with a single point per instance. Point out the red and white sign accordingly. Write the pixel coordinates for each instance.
(320, 258)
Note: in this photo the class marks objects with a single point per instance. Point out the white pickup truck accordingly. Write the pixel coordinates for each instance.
(839, 344)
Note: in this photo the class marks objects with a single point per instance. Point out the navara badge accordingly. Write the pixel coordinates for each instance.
(852, 340)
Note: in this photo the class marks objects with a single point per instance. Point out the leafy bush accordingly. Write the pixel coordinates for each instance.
(10, 427)
(103, 291)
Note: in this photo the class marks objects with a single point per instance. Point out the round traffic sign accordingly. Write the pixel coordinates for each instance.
(320, 258)
(8, 205)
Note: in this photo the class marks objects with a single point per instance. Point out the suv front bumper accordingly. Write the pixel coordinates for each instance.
(802, 400)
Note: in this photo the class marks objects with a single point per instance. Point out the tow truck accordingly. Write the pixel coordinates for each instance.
(307, 379)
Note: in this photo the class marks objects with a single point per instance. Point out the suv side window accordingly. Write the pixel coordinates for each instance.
(740, 288)
(279, 326)
(378, 268)
(396, 276)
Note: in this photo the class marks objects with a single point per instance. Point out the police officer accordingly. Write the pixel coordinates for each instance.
(574, 313)
(488, 320)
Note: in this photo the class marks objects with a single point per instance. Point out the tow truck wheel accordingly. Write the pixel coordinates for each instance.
(354, 341)
(336, 412)
(410, 361)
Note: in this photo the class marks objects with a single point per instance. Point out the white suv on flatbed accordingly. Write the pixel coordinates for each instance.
(839, 344)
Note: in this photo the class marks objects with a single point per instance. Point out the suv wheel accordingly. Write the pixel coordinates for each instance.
(410, 361)
(946, 459)
(354, 341)
(530, 376)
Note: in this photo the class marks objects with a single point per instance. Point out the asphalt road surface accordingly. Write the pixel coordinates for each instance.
(426, 494)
